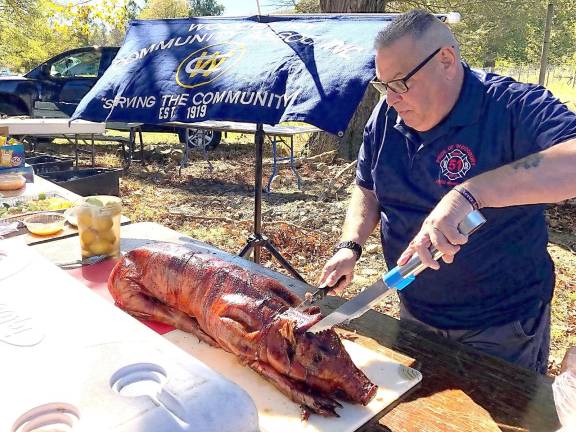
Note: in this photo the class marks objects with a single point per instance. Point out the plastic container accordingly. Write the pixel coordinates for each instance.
(88, 181)
(98, 221)
(45, 223)
(47, 163)
(10, 182)
(564, 388)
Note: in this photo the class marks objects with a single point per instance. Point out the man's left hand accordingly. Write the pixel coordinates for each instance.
(440, 230)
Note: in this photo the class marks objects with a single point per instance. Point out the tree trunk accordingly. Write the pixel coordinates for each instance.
(349, 144)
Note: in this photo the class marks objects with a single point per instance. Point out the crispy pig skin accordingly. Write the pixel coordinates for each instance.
(248, 314)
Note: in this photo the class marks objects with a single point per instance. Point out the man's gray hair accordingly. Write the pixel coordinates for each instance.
(415, 23)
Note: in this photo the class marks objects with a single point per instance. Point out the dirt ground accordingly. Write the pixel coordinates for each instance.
(217, 206)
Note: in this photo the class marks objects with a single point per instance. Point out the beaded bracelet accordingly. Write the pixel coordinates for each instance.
(469, 197)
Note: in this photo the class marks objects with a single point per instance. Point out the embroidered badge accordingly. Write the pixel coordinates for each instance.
(455, 161)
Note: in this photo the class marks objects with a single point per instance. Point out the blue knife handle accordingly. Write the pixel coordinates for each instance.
(394, 279)
(402, 276)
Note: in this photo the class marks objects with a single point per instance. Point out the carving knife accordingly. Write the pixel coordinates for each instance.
(396, 279)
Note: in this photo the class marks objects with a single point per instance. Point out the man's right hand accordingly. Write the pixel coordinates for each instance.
(341, 264)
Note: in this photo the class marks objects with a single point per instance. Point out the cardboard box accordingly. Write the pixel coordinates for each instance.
(11, 151)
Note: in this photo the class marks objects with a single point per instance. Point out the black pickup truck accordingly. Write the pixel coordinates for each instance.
(63, 80)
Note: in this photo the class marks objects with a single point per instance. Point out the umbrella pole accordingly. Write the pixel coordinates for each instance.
(256, 240)
(259, 141)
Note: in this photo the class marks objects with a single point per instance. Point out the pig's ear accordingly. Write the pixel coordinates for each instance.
(286, 330)
(282, 347)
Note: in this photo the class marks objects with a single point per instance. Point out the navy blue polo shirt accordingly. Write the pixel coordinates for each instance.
(504, 271)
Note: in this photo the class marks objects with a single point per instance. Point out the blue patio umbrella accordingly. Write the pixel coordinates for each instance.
(260, 69)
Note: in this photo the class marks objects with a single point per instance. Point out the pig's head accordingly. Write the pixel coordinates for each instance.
(319, 360)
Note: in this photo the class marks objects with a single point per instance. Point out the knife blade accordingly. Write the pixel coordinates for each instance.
(396, 279)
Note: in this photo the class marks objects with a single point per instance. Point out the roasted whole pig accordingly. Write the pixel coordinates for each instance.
(245, 313)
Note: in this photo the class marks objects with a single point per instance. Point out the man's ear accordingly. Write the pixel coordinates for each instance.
(449, 61)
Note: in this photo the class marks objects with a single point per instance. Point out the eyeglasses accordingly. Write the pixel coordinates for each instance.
(400, 85)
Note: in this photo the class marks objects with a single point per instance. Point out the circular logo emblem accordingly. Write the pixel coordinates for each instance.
(455, 164)
(208, 63)
(16, 161)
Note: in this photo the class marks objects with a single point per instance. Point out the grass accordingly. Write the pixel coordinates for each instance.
(565, 92)
(563, 325)
(562, 83)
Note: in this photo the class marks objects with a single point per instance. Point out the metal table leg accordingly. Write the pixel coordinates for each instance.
(184, 160)
(204, 150)
(292, 165)
(76, 149)
(93, 152)
(141, 145)
(274, 164)
(275, 140)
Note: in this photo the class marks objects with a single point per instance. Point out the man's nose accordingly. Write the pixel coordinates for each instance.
(392, 97)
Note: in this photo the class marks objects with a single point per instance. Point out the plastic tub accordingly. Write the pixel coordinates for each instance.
(10, 182)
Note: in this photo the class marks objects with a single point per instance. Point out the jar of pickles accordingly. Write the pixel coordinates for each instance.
(99, 225)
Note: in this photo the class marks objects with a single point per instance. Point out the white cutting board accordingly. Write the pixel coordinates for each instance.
(68, 357)
(278, 413)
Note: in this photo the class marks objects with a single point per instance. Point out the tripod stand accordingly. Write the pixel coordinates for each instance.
(257, 240)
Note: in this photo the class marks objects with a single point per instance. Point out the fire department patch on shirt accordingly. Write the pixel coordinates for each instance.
(454, 162)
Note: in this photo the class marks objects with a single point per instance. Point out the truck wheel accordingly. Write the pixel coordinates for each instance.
(200, 138)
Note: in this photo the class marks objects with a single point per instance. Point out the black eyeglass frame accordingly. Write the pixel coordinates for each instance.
(383, 87)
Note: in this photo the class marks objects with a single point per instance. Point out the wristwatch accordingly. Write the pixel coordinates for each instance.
(356, 248)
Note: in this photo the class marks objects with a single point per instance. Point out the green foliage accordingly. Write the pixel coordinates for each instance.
(512, 30)
(18, 7)
(162, 9)
(102, 23)
(43, 28)
(180, 8)
(205, 8)
(493, 30)
(26, 35)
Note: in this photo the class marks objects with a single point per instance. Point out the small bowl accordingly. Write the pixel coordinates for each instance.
(46, 223)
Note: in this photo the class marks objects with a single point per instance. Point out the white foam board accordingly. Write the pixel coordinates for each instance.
(72, 361)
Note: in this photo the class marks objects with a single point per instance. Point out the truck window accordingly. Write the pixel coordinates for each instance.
(78, 65)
